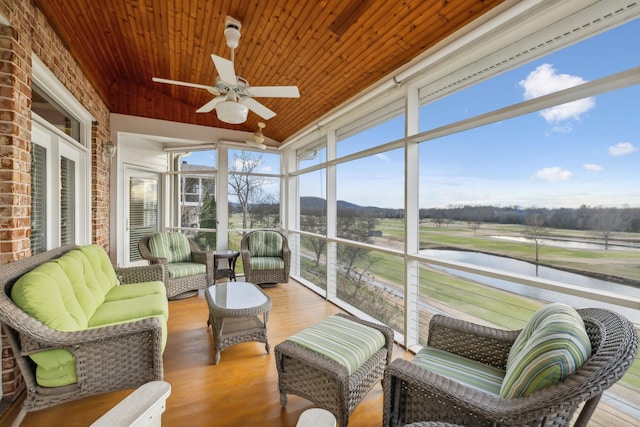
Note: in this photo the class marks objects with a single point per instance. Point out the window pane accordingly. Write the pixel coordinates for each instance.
(372, 282)
(313, 260)
(43, 106)
(67, 201)
(314, 154)
(313, 203)
(379, 127)
(254, 190)
(143, 212)
(370, 192)
(38, 199)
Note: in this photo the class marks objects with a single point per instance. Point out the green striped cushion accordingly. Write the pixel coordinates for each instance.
(172, 246)
(265, 243)
(552, 346)
(460, 369)
(266, 263)
(185, 269)
(342, 340)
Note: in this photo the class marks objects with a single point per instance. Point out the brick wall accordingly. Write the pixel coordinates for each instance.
(29, 33)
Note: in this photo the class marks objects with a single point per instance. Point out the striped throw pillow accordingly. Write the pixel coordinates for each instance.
(552, 346)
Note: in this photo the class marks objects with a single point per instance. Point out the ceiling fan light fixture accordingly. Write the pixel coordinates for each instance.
(232, 112)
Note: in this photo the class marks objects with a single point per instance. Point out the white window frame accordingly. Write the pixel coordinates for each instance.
(59, 144)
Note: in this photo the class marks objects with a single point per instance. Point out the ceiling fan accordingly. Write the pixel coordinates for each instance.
(233, 95)
(258, 137)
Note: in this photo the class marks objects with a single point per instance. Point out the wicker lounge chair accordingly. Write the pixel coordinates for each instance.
(326, 382)
(266, 257)
(413, 393)
(174, 251)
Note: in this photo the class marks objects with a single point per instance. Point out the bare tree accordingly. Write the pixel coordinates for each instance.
(242, 183)
(605, 222)
(535, 230)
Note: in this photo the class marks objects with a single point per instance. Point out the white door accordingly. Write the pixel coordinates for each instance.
(142, 210)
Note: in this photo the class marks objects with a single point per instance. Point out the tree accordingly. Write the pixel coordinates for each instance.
(604, 222)
(242, 183)
(535, 230)
(208, 219)
(354, 226)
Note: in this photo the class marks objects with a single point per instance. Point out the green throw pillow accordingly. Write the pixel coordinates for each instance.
(552, 346)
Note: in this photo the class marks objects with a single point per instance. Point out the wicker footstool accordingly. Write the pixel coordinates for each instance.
(335, 386)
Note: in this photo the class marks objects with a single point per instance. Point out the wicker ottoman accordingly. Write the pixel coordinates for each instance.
(326, 382)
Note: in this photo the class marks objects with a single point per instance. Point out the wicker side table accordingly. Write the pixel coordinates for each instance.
(238, 312)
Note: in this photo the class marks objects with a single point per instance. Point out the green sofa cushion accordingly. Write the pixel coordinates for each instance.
(62, 371)
(135, 290)
(46, 294)
(129, 309)
(342, 340)
(185, 269)
(552, 345)
(104, 276)
(265, 244)
(461, 369)
(172, 246)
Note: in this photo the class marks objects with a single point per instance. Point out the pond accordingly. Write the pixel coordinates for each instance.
(509, 265)
(572, 244)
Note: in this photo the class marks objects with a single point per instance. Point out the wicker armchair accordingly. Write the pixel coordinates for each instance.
(266, 257)
(116, 357)
(179, 256)
(412, 393)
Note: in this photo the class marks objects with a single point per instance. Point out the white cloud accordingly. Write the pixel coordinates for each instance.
(553, 174)
(544, 80)
(593, 167)
(266, 169)
(622, 148)
(382, 156)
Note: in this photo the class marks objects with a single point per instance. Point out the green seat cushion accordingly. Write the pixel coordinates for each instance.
(130, 309)
(461, 369)
(61, 374)
(342, 340)
(104, 276)
(265, 244)
(185, 269)
(135, 290)
(552, 345)
(172, 246)
(266, 263)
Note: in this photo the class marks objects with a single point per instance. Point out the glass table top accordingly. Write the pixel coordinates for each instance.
(237, 295)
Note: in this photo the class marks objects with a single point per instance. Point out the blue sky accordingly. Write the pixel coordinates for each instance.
(586, 152)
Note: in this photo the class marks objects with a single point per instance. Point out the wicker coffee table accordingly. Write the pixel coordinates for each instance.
(238, 312)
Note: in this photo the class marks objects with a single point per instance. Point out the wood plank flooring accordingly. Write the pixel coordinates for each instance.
(242, 389)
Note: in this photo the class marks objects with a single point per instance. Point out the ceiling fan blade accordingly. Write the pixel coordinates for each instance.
(257, 144)
(209, 106)
(274, 91)
(179, 83)
(225, 69)
(258, 108)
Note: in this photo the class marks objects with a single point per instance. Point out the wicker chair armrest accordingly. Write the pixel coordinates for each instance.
(482, 343)
(146, 273)
(36, 337)
(202, 257)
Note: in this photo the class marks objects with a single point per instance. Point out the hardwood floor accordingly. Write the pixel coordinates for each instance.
(242, 389)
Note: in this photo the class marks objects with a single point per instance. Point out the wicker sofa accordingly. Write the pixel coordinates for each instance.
(187, 268)
(413, 393)
(79, 327)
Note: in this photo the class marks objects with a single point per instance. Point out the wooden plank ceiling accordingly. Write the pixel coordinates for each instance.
(330, 49)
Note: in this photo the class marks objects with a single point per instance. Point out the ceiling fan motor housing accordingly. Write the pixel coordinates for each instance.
(232, 32)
